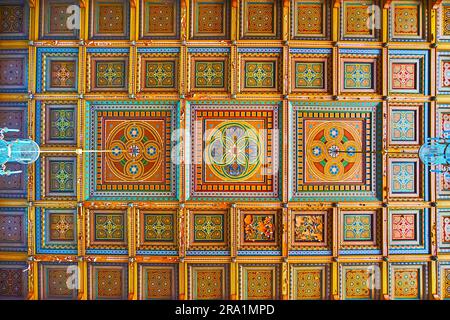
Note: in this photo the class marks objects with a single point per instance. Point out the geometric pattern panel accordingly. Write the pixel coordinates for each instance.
(13, 229)
(108, 281)
(57, 121)
(209, 230)
(443, 287)
(260, 70)
(160, 19)
(109, 19)
(210, 20)
(259, 281)
(57, 19)
(360, 232)
(106, 232)
(260, 19)
(59, 70)
(14, 19)
(360, 71)
(443, 22)
(309, 281)
(408, 280)
(443, 230)
(359, 20)
(107, 70)
(443, 72)
(57, 179)
(309, 20)
(360, 281)
(408, 231)
(13, 115)
(311, 71)
(208, 282)
(405, 177)
(13, 71)
(407, 70)
(405, 124)
(241, 147)
(208, 70)
(442, 124)
(157, 231)
(56, 231)
(57, 281)
(158, 281)
(407, 20)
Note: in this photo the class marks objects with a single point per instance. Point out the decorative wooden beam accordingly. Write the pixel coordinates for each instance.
(83, 3)
(436, 4)
(133, 3)
(337, 3)
(32, 3)
(387, 4)
(234, 3)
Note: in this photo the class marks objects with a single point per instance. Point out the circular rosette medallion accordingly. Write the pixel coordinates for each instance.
(333, 152)
(233, 151)
(135, 150)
